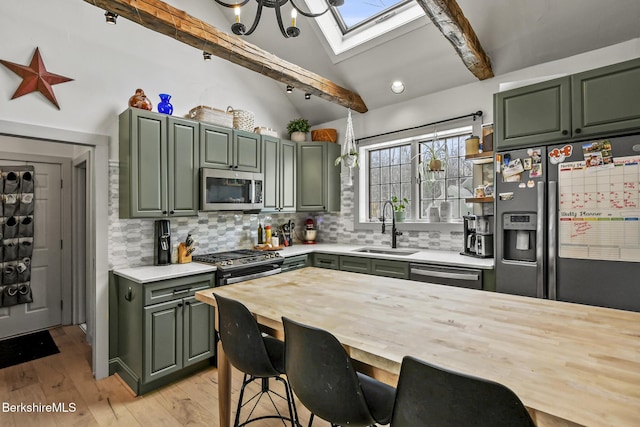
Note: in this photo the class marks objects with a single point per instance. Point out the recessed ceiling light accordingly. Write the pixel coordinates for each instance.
(397, 87)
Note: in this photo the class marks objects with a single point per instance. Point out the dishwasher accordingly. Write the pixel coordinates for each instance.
(453, 276)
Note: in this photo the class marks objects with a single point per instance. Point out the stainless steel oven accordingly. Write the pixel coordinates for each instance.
(240, 265)
(222, 190)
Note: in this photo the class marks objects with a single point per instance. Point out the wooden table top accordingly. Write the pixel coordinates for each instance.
(565, 361)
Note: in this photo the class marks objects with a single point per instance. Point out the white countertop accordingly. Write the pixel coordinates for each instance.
(427, 256)
(153, 273)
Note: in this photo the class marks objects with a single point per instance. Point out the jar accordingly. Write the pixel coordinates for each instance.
(472, 145)
(267, 234)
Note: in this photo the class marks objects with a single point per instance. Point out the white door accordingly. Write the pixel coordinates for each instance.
(46, 264)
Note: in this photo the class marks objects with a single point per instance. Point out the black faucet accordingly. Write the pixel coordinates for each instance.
(394, 233)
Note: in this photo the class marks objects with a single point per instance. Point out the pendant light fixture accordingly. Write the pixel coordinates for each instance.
(240, 29)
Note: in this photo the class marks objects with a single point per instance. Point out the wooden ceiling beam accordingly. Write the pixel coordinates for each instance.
(448, 17)
(165, 19)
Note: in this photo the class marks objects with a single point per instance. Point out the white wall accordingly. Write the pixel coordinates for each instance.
(478, 95)
(109, 62)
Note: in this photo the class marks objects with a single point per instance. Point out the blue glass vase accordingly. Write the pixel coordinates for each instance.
(164, 106)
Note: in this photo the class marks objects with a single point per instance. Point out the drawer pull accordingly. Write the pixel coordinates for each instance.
(445, 275)
(181, 291)
(129, 295)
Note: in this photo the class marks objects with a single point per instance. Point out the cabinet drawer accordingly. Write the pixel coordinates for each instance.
(168, 290)
(386, 268)
(326, 261)
(355, 264)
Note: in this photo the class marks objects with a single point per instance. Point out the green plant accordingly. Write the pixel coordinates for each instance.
(350, 159)
(399, 205)
(298, 125)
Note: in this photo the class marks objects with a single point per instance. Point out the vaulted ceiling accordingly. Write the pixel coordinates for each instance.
(515, 34)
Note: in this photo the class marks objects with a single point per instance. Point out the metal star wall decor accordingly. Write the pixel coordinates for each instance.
(35, 77)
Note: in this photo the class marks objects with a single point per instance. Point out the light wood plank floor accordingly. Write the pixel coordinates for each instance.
(66, 377)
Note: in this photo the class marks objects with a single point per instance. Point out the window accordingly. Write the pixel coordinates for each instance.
(355, 13)
(401, 168)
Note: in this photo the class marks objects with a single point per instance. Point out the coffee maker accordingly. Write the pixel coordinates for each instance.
(478, 236)
(162, 242)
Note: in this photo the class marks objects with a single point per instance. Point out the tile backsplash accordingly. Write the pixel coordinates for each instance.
(131, 240)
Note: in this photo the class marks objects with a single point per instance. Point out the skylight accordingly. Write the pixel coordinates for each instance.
(357, 22)
(355, 13)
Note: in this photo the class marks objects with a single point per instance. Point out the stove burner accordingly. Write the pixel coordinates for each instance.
(234, 258)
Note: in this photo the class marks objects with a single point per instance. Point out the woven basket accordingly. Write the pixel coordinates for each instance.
(242, 120)
(330, 135)
(211, 115)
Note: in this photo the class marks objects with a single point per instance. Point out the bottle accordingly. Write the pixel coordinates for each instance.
(275, 241)
(260, 237)
(267, 234)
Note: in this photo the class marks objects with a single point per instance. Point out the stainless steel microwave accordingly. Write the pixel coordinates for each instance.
(223, 190)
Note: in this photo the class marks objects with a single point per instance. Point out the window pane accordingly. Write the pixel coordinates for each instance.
(374, 159)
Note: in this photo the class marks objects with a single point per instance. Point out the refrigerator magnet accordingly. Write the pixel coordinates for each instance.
(526, 163)
(506, 196)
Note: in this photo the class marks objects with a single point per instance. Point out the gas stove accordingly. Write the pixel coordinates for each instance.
(242, 264)
(236, 258)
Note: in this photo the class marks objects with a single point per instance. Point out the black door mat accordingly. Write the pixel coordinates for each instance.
(14, 351)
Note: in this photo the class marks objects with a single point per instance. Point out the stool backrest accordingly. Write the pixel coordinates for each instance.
(431, 396)
(241, 339)
(321, 374)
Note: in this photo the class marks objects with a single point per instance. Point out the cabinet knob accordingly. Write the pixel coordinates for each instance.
(164, 212)
(565, 132)
(187, 303)
(171, 212)
(578, 130)
(235, 167)
(179, 304)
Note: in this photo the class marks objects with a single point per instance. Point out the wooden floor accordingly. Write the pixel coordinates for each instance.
(66, 378)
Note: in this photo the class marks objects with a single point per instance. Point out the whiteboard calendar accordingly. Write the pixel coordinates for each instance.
(599, 210)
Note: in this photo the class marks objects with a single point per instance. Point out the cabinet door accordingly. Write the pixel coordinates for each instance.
(326, 261)
(288, 174)
(606, 100)
(248, 151)
(355, 264)
(162, 339)
(271, 184)
(198, 334)
(144, 164)
(312, 177)
(183, 167)
(535, 114)
(388, 268)
(216, 147)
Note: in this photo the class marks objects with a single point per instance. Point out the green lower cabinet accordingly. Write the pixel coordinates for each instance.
(163, 332)
(388, 268)
(355, 264)
(326, 261)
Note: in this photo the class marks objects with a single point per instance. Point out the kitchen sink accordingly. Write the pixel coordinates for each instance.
(403, 252)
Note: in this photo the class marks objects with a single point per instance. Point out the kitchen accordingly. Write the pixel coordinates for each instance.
(127, 243)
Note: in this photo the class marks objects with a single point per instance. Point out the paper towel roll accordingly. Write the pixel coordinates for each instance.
(522, 240)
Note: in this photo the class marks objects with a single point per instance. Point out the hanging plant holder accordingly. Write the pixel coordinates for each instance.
(349, 151)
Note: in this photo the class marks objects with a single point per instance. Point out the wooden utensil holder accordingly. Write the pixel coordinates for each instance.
(183, 258)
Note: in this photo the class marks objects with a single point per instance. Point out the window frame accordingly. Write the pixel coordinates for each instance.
(361, 178)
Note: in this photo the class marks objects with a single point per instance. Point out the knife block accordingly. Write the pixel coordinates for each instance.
(183, 258)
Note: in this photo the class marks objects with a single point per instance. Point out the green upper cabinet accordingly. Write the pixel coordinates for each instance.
(152, 147)
(279, 169)
(318, 177)
(224, 148)
(533, 114)
(606, 100)
(184, 159)
(599, 102)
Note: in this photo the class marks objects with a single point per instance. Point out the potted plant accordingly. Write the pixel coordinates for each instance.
(298, 129)
(399, 208)
(435, 164)
(350, 159)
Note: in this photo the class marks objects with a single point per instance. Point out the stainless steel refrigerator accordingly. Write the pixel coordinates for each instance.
(567, 222)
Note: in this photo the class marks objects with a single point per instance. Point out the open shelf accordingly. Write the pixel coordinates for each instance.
(480, 158)
(479, 199)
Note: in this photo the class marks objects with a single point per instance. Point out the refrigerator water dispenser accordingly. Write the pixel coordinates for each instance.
(519, 234)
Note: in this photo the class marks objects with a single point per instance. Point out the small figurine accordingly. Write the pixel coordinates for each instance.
(139, 100)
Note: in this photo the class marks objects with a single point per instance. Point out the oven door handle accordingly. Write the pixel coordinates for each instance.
(233, 280)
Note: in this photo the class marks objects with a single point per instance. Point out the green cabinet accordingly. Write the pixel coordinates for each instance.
(606, 100)
(325, 261)
(163, 332)
(224, 148)
(159, 157)
(598, 102)
(365, 265)
(318, 177)
(279, 169)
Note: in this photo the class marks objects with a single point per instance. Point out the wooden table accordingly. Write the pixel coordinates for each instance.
(570, 364)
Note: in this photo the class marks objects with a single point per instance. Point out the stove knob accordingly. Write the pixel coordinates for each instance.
(277, 255)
